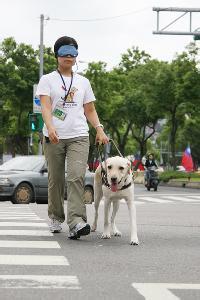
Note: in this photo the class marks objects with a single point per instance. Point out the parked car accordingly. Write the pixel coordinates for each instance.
(24, 179)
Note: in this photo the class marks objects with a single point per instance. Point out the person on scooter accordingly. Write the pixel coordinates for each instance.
(150, 162)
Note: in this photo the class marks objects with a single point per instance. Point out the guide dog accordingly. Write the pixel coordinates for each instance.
(113, 180)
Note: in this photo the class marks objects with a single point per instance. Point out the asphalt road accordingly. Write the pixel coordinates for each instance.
(165, 266)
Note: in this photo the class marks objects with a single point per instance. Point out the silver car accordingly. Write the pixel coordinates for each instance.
(24, 179)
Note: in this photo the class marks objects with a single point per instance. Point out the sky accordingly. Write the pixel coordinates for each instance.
(103, 40)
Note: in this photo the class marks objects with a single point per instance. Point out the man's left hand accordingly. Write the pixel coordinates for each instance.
(101, 137)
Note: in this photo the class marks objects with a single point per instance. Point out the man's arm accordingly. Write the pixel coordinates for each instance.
(92, 117)
(47, 117)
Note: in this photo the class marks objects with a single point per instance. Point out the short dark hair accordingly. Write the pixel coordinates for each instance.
(64, 40)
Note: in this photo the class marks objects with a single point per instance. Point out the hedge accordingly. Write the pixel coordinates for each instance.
(167, 175)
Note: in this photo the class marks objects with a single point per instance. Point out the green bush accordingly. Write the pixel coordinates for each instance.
(167, 175)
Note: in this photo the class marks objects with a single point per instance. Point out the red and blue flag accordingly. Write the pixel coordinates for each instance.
(187, 161)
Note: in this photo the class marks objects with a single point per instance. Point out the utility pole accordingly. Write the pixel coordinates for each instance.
(41, 45)
(41, 68)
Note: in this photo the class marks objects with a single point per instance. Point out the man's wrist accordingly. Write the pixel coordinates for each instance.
(99, 126)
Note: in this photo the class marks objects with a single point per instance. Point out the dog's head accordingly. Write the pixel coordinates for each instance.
(118, 171)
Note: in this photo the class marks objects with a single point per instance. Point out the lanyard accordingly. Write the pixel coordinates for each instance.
(66, 92)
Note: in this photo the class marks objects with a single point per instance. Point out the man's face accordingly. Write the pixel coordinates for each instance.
(66, 61)
(150, 156)
(67, 56)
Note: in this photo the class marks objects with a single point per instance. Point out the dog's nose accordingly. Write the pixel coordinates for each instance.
(113, 179)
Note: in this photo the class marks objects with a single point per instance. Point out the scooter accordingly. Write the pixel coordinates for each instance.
(152, 179)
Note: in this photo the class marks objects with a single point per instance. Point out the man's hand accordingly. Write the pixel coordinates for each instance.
(101, 137)
(53, 136)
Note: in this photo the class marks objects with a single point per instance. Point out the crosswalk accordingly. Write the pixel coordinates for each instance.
(141, 199)
(20, 228)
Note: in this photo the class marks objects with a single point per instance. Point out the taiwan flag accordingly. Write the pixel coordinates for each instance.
(187, 161)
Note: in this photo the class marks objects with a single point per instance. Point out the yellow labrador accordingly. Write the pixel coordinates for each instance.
(113, 180)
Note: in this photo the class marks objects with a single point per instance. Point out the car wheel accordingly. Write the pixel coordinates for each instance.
(88, 195)
(23, 194)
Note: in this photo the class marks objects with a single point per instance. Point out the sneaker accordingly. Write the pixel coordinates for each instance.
(78, 230)
(55, 226)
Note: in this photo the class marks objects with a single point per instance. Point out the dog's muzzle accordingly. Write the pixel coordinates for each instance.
(114, 184)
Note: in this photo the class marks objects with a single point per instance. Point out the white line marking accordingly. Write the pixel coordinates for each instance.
(26, 232)
(176, 198)
(195, 197)
(38, 281)
(124, 202)
(23, 224)
(34, 260)
(12, 214)
(21, 218)
(136, 202)
(15, 206)
(157, 291)
(29, 244)
(169, 194)
(15, 209)
(152, 199)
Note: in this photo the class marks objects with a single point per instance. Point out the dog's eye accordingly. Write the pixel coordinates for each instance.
(109, 167)
(121, 168)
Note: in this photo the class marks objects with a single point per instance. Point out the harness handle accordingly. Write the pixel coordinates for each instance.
(111, 140)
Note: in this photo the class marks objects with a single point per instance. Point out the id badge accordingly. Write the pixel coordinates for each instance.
(59, 113)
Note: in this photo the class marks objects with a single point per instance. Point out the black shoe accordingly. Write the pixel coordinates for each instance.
(78, 230)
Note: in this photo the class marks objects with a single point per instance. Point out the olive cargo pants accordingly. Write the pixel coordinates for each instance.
(75, 150)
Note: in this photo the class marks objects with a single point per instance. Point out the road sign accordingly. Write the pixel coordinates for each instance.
(36, 101)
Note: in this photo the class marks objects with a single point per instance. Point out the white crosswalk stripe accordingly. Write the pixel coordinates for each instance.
(170, 198)
(29, 244)
(21, 218)
(181, 198)
(26, 232)
(34, 260)
(152, 199)
(38, 281)
(30, 225)
(195, 197)
(22, 224)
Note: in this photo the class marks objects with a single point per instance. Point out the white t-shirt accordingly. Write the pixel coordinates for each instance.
(75, 123)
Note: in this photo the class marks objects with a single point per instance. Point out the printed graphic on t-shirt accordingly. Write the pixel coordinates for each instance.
(70, 96)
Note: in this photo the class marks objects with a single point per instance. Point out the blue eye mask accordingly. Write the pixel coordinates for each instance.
(67, 50)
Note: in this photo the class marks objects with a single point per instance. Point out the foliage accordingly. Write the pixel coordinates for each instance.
(167, 175)
(19, 71)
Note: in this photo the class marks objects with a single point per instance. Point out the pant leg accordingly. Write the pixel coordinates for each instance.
(55, 156)
(77, 156)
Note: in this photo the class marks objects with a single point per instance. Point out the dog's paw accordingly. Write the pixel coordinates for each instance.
(134, 243)
(106, 236)
(117, 233)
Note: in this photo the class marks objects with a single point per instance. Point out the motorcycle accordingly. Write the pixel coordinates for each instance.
(152, 179)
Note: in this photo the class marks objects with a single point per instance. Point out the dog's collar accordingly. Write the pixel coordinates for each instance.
(125, 186)
(105, 181)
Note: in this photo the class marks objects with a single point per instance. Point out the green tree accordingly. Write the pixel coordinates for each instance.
(19, 70)
(179, 93)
